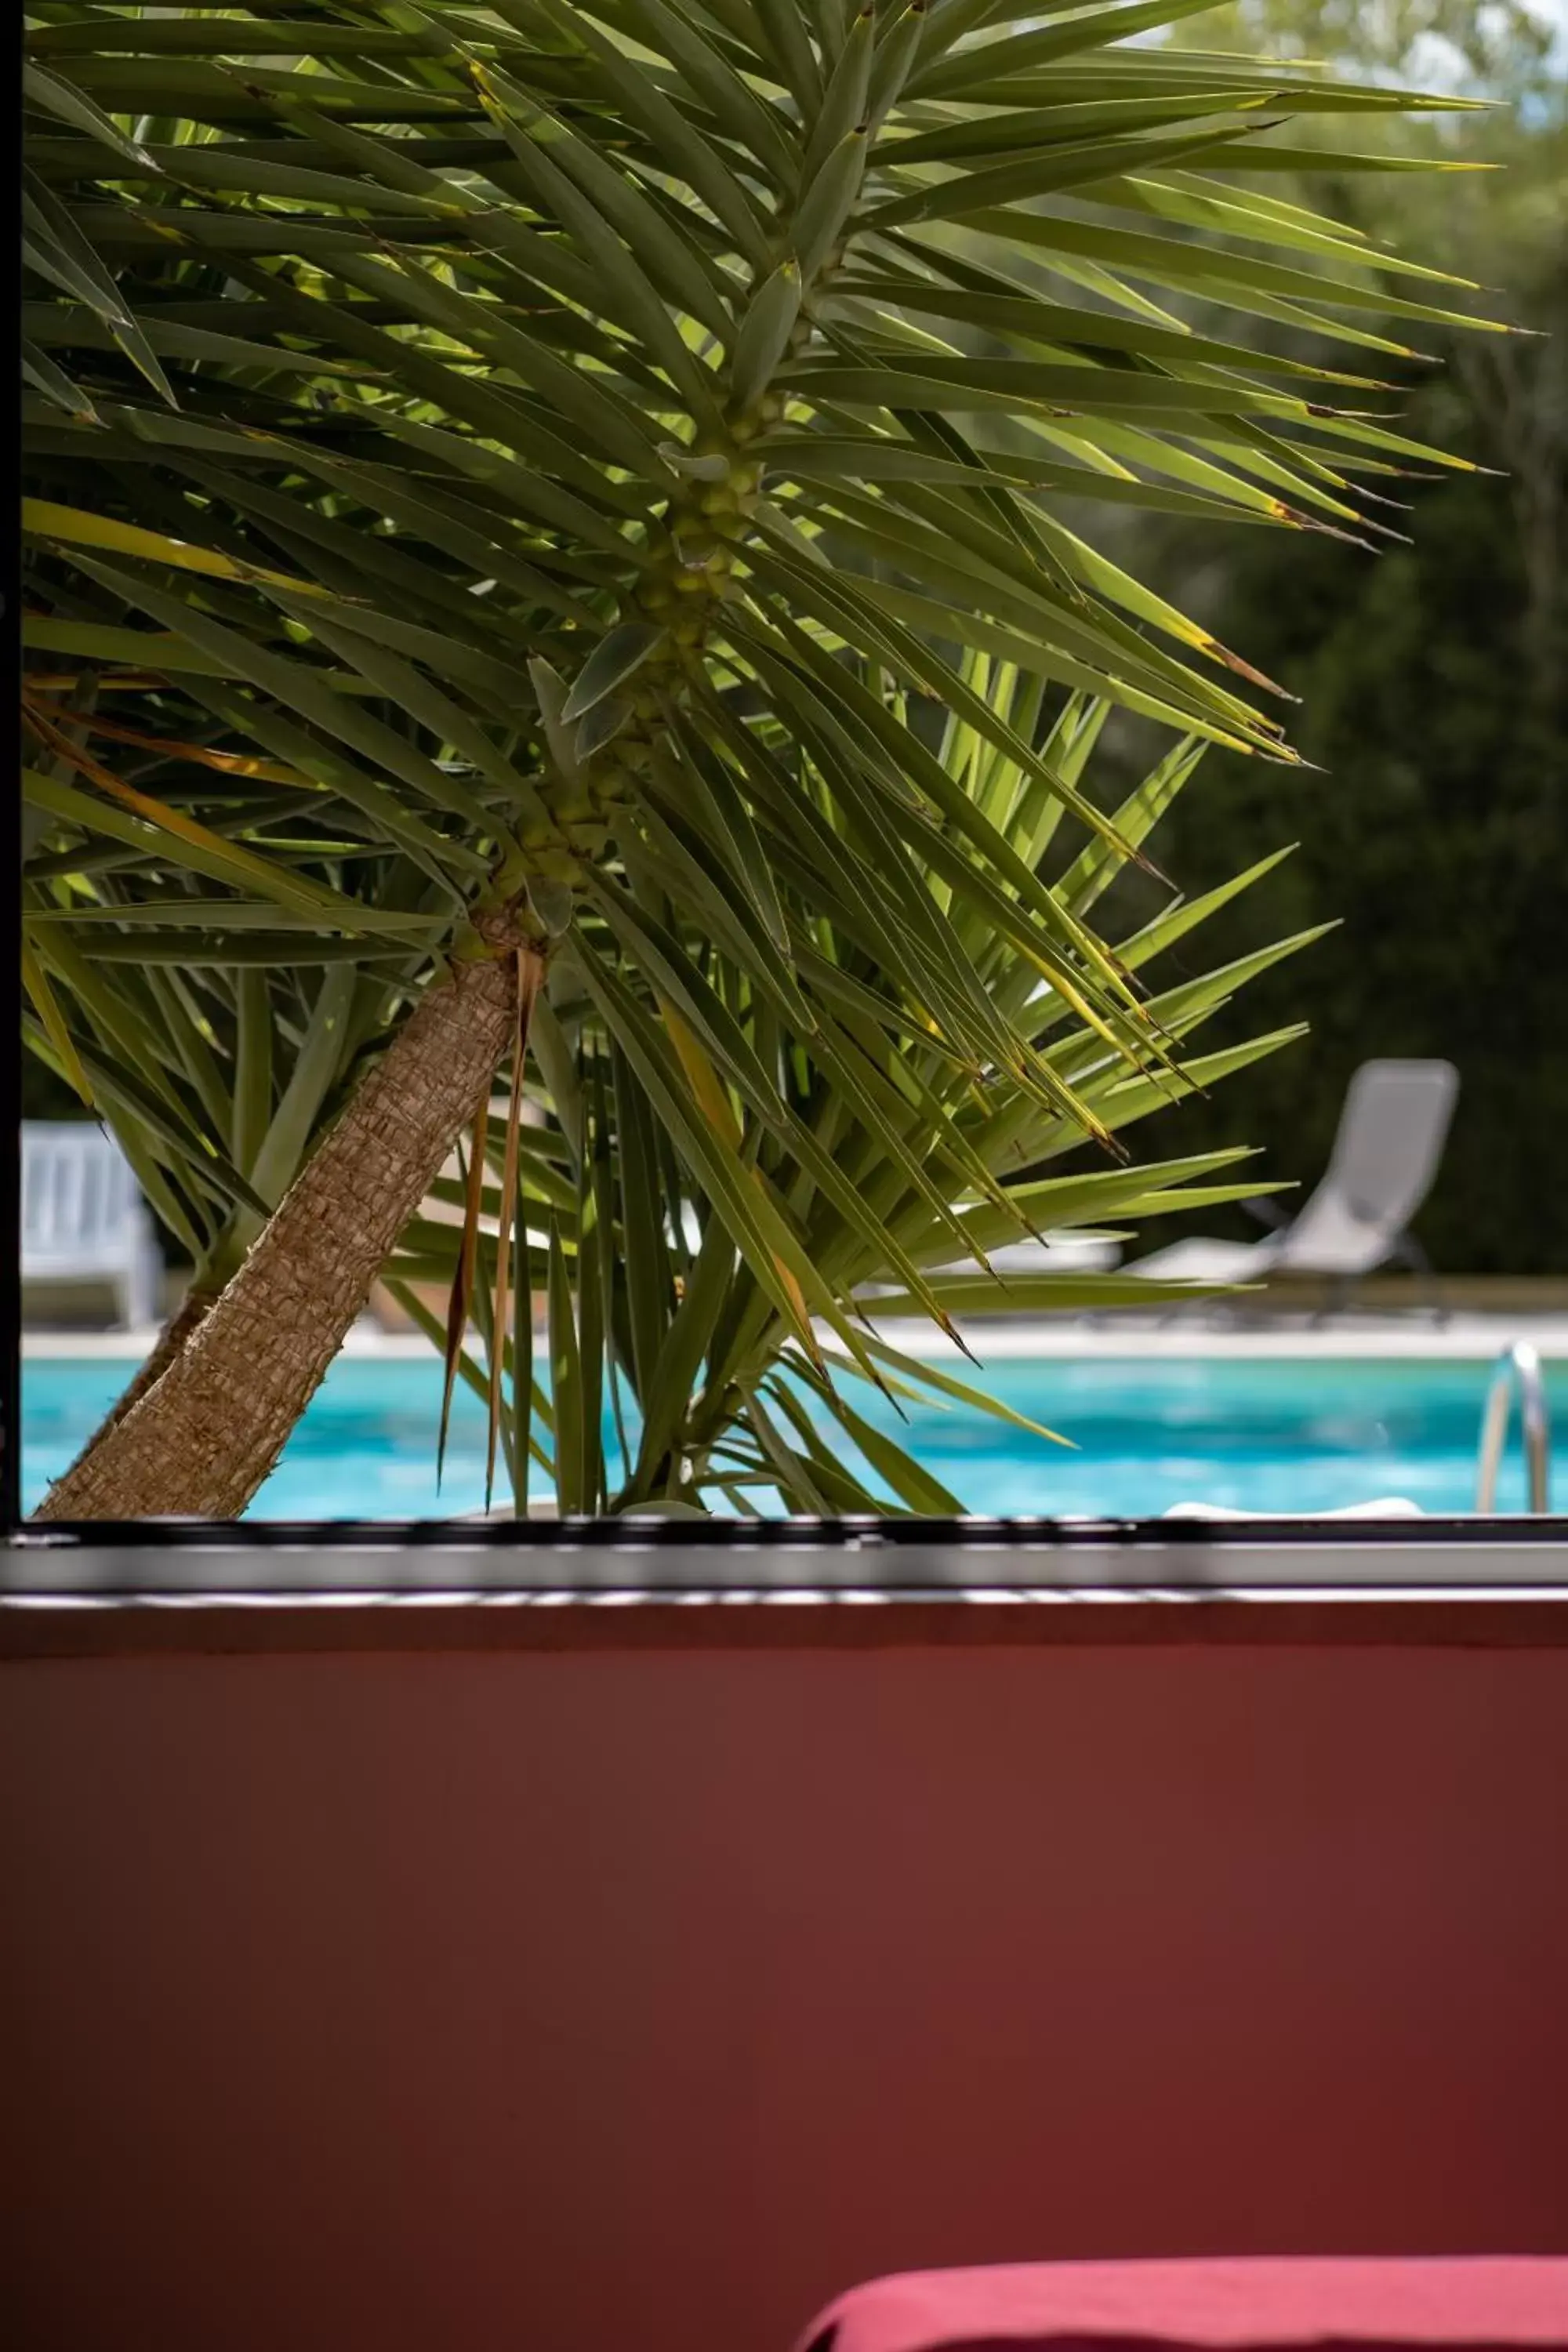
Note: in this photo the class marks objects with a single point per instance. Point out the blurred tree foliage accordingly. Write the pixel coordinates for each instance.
(1434, 677)
(45, 1096)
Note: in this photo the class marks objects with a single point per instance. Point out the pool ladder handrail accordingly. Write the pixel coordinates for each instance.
(1519, 1367)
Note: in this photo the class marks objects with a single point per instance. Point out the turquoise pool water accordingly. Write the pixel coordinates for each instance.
(1258, 1434)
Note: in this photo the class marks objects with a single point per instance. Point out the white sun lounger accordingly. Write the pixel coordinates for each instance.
(1065, 1252)
(83, 1217)
(1385, 1157)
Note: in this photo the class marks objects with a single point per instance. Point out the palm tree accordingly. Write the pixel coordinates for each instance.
(610, 480)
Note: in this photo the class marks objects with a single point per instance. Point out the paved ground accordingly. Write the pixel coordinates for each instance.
(1464, 1337)
(1461, 1339)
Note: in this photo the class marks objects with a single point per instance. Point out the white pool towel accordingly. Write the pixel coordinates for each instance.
(1386, 1506)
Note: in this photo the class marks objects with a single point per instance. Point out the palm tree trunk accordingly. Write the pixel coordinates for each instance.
(201, 1442)
(187, 1318)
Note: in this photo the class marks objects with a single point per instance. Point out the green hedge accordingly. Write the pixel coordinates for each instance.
(1435, 687)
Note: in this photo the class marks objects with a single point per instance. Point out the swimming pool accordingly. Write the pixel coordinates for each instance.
(1255, 1434)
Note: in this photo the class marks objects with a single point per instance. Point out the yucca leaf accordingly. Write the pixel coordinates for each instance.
(387, 818)
(784, 37)
(229, 915)
(1057, 1204)
(317, 1060)
(801, 1483)
(704, 1032)
(123, 1024)
(1164, 930)
(1199, 202)
(649, 1288)
(926, 613)
(843, 105)
(144, 650)
(949, 981)
(53, 244)
(643, 259)
(596, 1261)
(415, 695)
(915, 1487)
(47, 92)
(1069, 327)
(681, 1356)
(208, 93)
(899, 39)
(522, 1386)
(741, 116)
(77, 329)
(231, 36)
(728, 829)
(463, 1273)
(1022, 387)
(472, 1376)
(1047, 1294)
(910, 657)
(649, 241)
(54, 384)
(907, 753)
(186, 1034)
(1097, 865)
(253, 1068)
(689, 859)
(958, 75)
(528, 487)
(113, 1085)
(615, 659)
(609, 424)
(831, 1475)
(71, 527)
(1189, 266)
(527, 978)
(178, 840)
(36, 982)
(772, 1251)
(962, 1392)
(764, 334)
(222, 950)
(566, 1382)
(293, 684)
(1055, 171)
(674, 138)
(827, 203)
(969, 140)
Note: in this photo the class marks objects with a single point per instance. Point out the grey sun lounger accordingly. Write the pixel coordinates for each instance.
(1385, 1157)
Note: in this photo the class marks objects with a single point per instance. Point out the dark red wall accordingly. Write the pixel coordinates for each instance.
(582, 2002)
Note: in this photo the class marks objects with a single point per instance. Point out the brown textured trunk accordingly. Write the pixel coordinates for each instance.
(200, 1443)
(181, 1325)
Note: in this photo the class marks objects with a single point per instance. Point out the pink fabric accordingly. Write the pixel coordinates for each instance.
(1486, 2301)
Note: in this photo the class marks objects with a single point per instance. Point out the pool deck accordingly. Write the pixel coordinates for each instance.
(1462, 1339)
